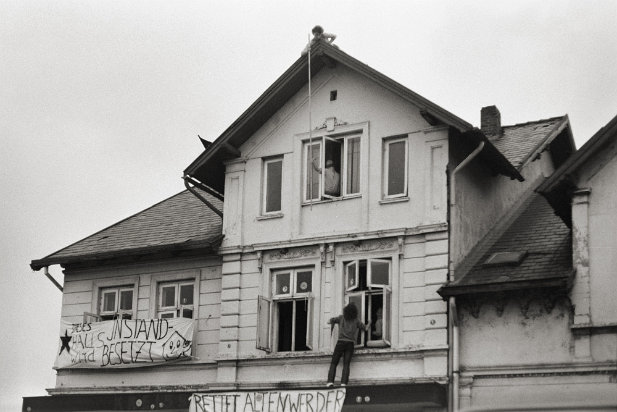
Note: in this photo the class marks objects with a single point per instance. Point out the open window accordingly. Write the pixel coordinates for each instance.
(285, 322)
(176, 299)
(368, 286)
(395, 167)
(115, 303)
(332, 167)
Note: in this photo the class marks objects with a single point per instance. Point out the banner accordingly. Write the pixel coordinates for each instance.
(124, 343)
(327, 400)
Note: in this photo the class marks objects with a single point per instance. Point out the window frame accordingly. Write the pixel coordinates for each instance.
(177, 310)
(342, 139)
(117, 312)
(268, 328)
(117, 282)
(265, 193)
(387, 142)
(370, 289)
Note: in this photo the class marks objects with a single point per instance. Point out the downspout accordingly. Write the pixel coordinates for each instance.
(452, 321)
(50, 277)
(200, 197)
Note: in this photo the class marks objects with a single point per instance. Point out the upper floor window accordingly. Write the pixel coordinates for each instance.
(331, 167)
(175, 299)
(285, 322)
(367, 284)
(116, 302)
(272, 185)
(396, 165)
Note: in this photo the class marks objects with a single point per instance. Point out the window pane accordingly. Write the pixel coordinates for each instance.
(126, 300)
(186, 294)
(312, 172)
(353, 165)
(274, 172)
(301, 324)
(376, 316)
(304, 283)
(168, 296)
(396, 168)
(285, 326)
(332, 171)
(109, 301)
(352, 278)
(282, 284)
(380, 272)
(167, 315)
(187, 313)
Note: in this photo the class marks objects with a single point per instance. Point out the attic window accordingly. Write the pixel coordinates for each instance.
(333, 95)
(505, 259)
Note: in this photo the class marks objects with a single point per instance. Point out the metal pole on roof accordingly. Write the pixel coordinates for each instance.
(310, 154)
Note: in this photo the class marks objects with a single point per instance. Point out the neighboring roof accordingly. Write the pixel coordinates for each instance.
(520, 142)
(544, 244)
(179, 223)
(557, 188)
(289, 83)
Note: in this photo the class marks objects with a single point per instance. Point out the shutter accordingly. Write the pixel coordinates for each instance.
(264, 307)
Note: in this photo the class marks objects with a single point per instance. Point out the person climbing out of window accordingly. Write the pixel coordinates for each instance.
(349, 325)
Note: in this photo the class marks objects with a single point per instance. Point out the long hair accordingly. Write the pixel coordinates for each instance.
(350, 312)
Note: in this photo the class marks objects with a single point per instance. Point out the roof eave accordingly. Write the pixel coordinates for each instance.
(558, 282)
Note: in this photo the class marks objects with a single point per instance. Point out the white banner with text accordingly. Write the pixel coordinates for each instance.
(327, 400)
(122, 343)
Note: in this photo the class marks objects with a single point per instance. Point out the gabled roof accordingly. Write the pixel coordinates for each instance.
(558, 187)
(178, 224)
(543, 244)
(208, 169)
(520, 142)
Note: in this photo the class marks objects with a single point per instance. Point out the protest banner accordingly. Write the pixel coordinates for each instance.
(124, 343)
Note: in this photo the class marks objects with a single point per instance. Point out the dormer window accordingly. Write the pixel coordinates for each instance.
(331, 167)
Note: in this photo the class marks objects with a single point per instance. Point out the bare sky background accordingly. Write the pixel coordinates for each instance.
(101, 103)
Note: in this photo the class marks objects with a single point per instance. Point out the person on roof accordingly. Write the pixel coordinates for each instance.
(319, 34)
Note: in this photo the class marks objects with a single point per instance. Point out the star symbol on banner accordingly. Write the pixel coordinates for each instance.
(65, 342)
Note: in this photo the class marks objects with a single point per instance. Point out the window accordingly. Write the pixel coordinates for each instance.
(116, 303)
(272, 185)
(367, 284)
(395, 168)
(341, 175)
(285, 322)
(176, 300)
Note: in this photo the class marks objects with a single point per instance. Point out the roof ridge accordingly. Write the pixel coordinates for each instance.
(535, 121)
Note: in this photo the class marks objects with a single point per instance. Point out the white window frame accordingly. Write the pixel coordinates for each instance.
(371, 289)
(116, 312)
(267, 311)
(343, 141)
(264, 201)
(178, 308)
(386, 160)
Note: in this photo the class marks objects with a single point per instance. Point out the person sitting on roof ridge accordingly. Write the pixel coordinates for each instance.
(319, 34)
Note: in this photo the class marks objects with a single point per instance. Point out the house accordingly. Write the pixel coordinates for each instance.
(362, 191)
(536, 315)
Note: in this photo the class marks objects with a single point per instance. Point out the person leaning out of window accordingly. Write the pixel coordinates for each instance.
(349, 325)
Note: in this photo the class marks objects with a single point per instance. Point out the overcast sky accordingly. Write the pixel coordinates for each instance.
(101, 103)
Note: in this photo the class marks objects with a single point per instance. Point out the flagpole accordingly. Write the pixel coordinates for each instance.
(310, 167)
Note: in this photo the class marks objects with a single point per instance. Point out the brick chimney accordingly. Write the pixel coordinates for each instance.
(490, 121)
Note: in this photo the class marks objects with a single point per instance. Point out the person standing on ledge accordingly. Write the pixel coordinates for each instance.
(349, 325)
(319, 34)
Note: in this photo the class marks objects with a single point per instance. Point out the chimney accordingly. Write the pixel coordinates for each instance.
(490, 121)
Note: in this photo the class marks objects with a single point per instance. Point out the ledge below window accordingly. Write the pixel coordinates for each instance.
(272, 216)
(585, 328)
(394, 200)
(334, 199)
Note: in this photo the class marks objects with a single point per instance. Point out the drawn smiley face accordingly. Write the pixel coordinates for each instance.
(176, 347)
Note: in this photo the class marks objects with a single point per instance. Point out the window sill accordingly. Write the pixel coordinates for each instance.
(326, 200)
(270, 216)
(394, 200)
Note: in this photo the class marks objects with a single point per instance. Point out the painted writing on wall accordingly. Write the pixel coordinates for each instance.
(269, 401)
(124, 343)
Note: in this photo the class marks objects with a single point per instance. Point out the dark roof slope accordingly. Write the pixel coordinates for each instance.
(520, 141)
(544, 243)
(179, 223)
(208, 169)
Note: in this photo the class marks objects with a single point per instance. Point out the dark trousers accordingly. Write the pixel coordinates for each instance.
(345, 349)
